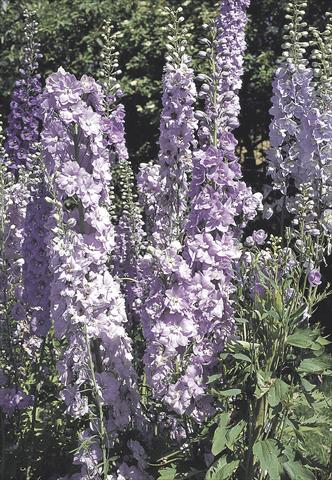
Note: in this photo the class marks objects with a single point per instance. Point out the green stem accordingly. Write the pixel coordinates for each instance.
(256, 428)
(102, 432)
(35, 393)
(144, 390)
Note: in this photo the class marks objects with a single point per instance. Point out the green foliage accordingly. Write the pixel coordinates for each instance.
(168, 473)
(280, 361)
(44, 431)
(219, 438)
(273, 389)
(267, 453)
(223, 469)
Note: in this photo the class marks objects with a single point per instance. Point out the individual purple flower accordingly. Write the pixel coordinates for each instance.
(327, 220)
(250, 241)
(314, 278)
(12, 399)
(259, 236)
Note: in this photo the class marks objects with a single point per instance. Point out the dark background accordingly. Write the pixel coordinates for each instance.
(70, 35)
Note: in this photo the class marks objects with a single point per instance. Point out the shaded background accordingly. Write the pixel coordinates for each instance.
(70, 35)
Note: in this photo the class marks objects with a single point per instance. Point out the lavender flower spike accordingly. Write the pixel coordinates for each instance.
(23, 120)
(189, 315)
(177, 127)
(87, 306)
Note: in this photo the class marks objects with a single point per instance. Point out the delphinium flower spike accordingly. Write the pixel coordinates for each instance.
(189, 312)
(126, 211)
(15, 345)
(221, 203)
(319, 122)
(291, 101)
(322, 56)
(23, 121)
(23, 153)
(87, 305)
(300, 154)
(21, 148)
(163, 186)
(177, 129)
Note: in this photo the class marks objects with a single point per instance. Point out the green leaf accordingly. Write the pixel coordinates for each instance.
(247, 345)
(308, 387)
(233, 434)
(263, 383)
(267, 453)
(223, 355)
(314, 365)
(222, 470)
(232, 392)
(194, 473)
(168, 473)
(241, 356)
(219, 437)
(213, 378)
(277, 393)
(296, 471)
(323, 341)
(298, 314)
(302, 338)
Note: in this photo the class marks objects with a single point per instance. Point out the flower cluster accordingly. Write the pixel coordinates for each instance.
(292, 97)
(221, 204)
(301, 128)
(23, 120)
(130, 234)
(126, 212)
(36, 273)
(322, 56)
(17, 346)
(86, 303)
(188, 313)
(149, 184)
(164, 191)
(13, 398)
(290, 160)
(319, 122)
(224, 52)
(220, 200)
(176, 140)
(230, 24)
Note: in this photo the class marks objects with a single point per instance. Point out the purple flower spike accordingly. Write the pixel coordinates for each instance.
(188, 314)
(87, 306)
(23, 120)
